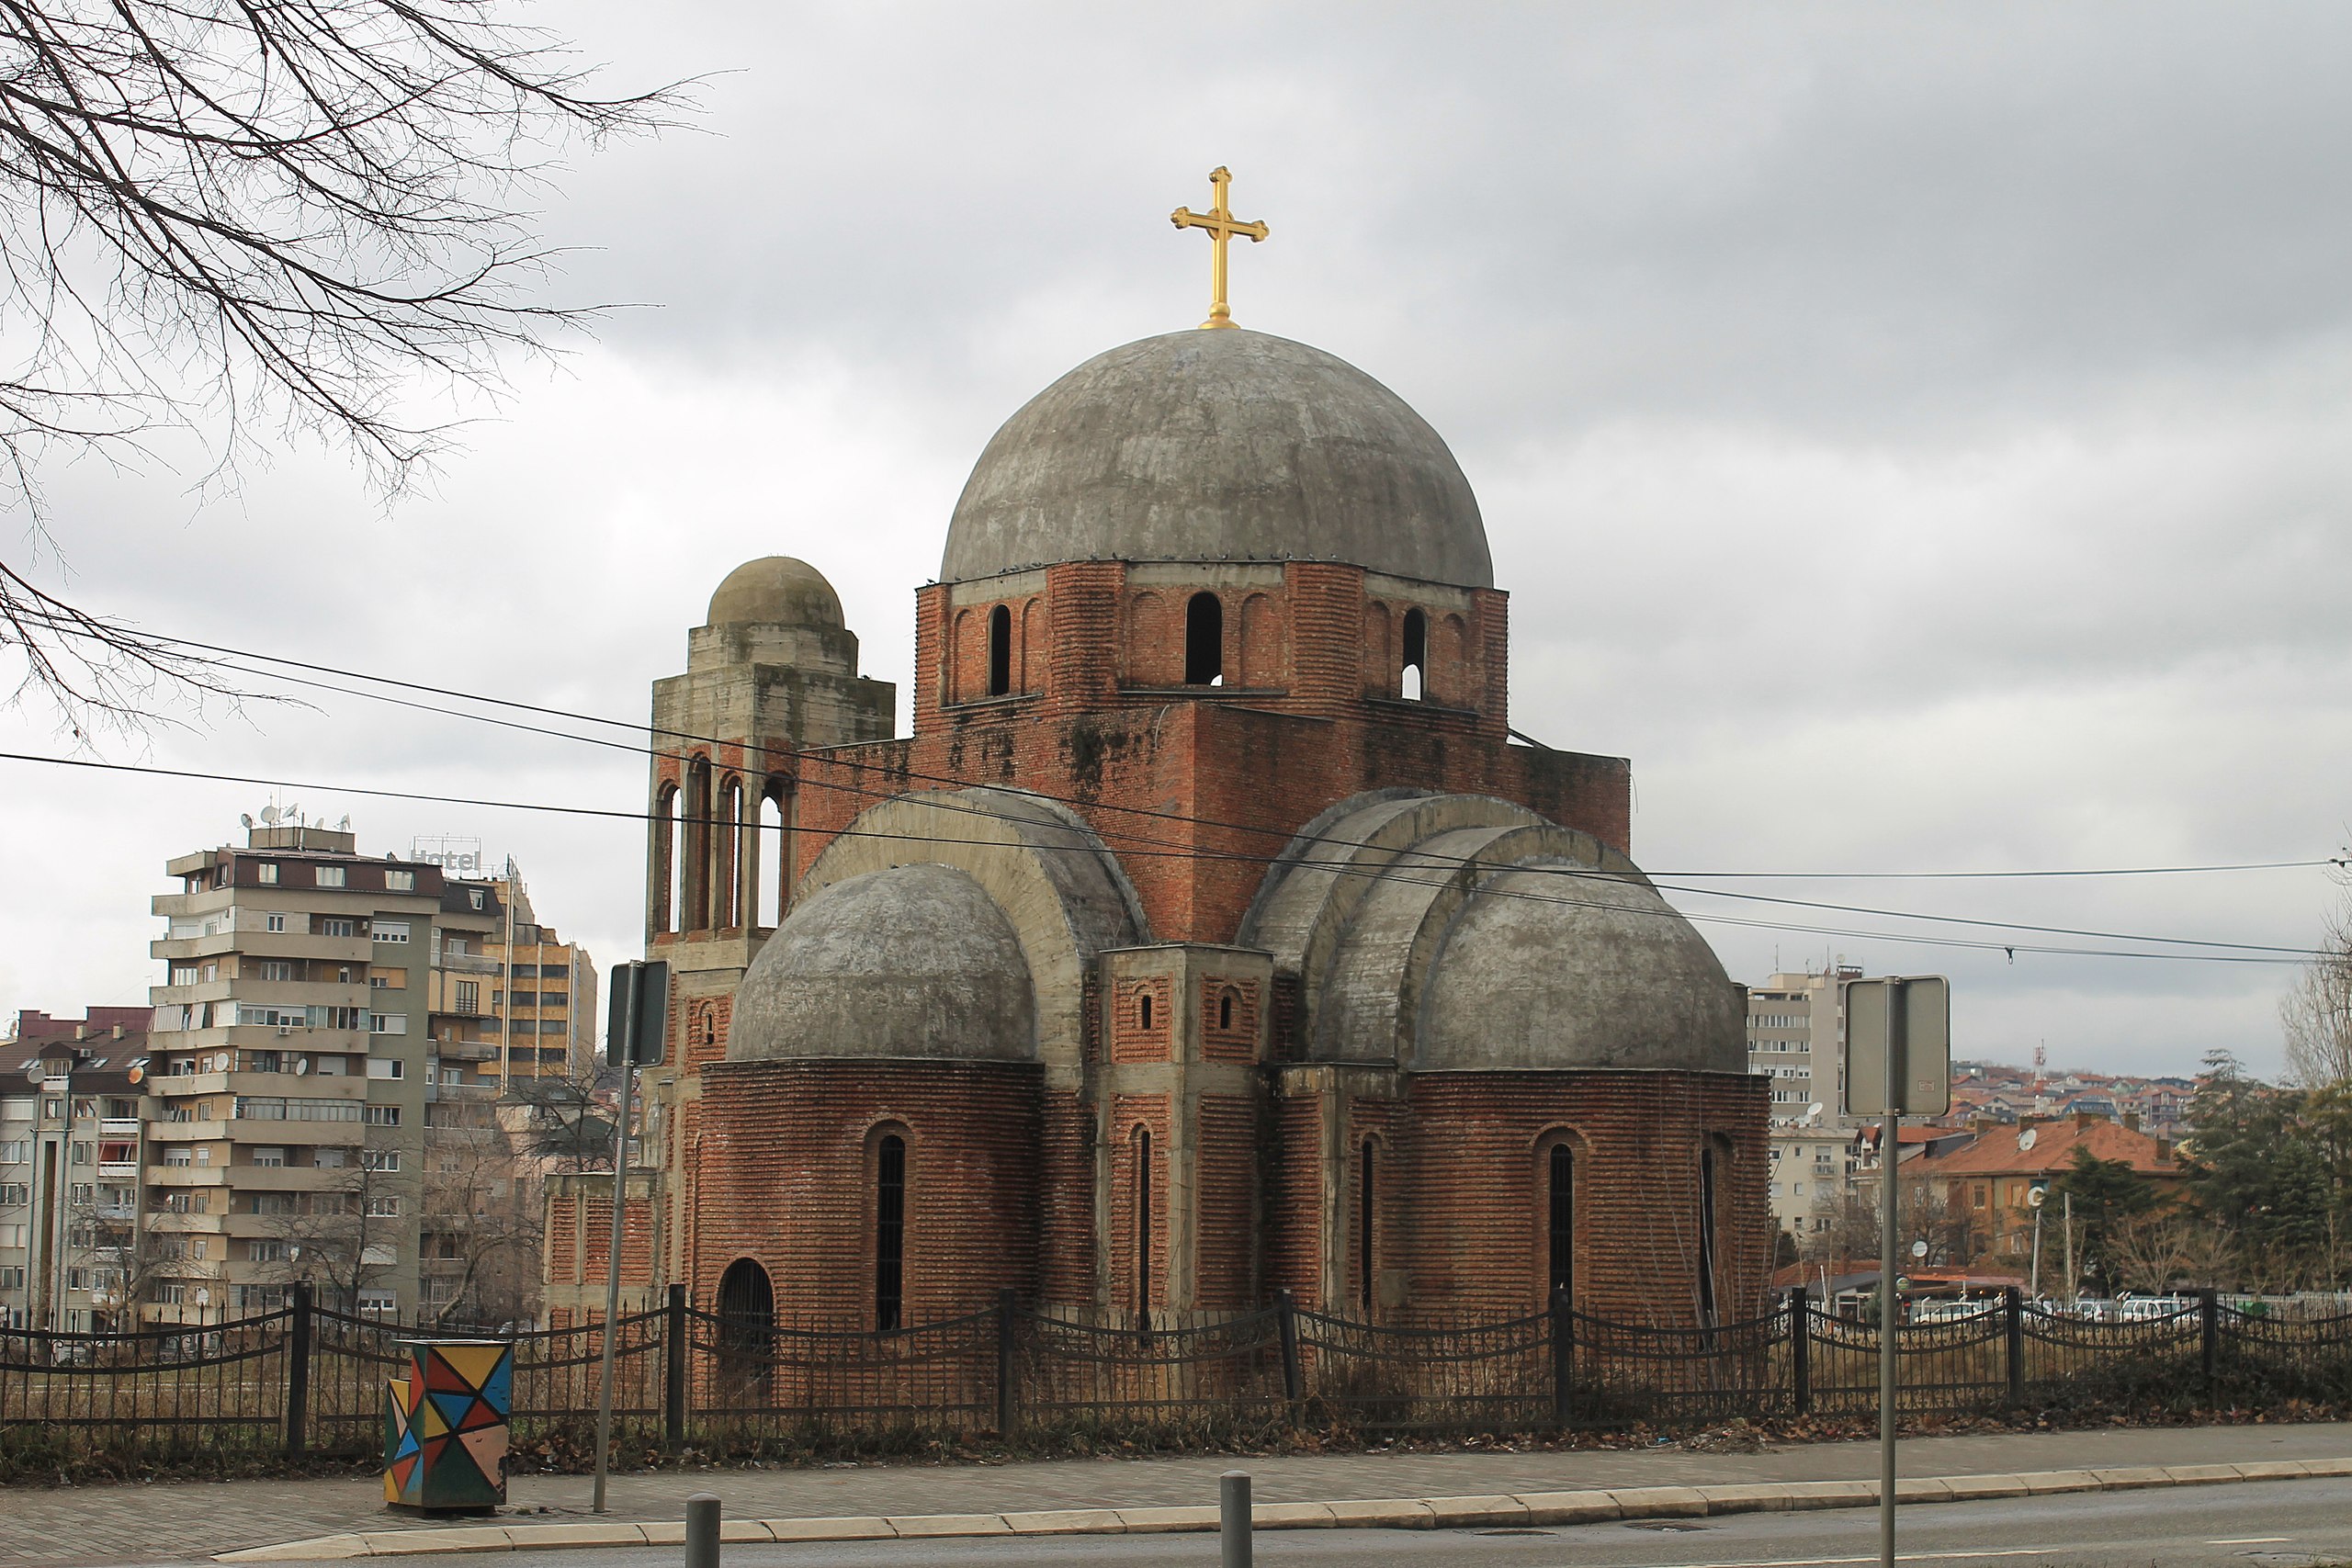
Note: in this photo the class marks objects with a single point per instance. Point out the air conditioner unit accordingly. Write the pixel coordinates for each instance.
(284, 1030)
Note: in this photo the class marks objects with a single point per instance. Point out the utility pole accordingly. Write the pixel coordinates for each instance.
(2074, 1286)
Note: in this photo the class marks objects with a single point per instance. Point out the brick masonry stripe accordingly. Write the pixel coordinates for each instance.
(1393, 1513)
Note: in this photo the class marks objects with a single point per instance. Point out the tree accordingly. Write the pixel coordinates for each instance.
(2106, 1194)
(344, 1235)
(2264, 1168)
(482, 1231)
(2316, 1012)
(258, 221)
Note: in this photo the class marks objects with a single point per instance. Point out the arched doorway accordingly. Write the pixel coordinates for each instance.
(746, 1332)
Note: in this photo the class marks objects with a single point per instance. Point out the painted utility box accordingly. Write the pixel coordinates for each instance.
(444, 1427)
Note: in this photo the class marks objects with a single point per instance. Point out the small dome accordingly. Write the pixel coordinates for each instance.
(917, 961)
(1209, 445)
(1542, 970)
(775, 591)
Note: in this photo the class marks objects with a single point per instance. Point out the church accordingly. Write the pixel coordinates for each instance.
(1212, 935)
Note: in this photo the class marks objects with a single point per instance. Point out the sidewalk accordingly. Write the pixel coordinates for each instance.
(193, 1520)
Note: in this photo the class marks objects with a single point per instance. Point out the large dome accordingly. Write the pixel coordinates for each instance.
(917, 961)
(1216, 445)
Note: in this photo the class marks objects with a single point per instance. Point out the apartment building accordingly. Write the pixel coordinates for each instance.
(1796, 1038)
(72, 1145)
(1813, 1168)
(289, 1060)
(509, 997)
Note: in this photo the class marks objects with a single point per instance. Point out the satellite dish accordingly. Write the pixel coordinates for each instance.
(269, 816)
(137, 1075)
(1918, 1249)
(203, 1296)
(35, 1070)
(246, 817)
(301, 1065)
(343, 826)
(1815, 1109)
(2036, 1197)
(2027, 1138)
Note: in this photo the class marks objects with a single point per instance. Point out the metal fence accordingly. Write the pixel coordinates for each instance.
(305, 1381)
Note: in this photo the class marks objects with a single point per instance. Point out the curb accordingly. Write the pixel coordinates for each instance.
(1524, 1508)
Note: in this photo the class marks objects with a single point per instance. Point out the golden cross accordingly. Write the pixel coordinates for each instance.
(1222, 226)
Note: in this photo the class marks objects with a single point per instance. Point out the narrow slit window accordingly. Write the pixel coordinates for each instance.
(1707, 1234)
(1225, 1010)
(1204, 641)
(1143, 1228)
(890, 1233)
(1364, 1230)
(999, 651)
(1413, 680)
(1563, 1220)
(1143, 1012)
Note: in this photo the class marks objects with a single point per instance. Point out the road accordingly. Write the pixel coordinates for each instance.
(2288, 1524)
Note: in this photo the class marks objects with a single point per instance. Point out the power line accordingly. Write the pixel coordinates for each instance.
(1417, 858)
(1182, 819)
(2286, 955)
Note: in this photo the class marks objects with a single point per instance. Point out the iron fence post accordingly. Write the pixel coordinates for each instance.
(1564, 1357)
(2208, 1340)
(2013, 1332)
(1287, 1329)
(298, 1371)
(1007, 1364)
(1800, 1350)
(674, 1370)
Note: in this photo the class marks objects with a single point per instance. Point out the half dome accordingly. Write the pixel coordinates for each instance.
(775, 591)
(1218, 446)
(1545, 970)
(917, 962)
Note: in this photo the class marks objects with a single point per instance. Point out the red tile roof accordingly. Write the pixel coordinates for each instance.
(1996, 1153)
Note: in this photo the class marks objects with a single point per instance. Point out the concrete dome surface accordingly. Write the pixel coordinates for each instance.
(916, 961)
(1208, 446)
(1543, 970)
(775, 591)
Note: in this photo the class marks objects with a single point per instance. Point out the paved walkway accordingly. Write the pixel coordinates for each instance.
(189, 1520)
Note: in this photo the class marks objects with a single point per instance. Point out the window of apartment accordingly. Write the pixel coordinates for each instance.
(269, 1157)
(204, 1153)
(379, 1159)
(183, 974)
(82, 1154)
(178, 1156)
(12, 1277)
(382, 1067)
(469, 997)
(13, 1235)
(327, 1158)
(338, 926)
(552, 971)
(271, 922)
(384, 1206)
(379, 1304)
(554, 999)
(331, 876)
(377, 982)
(262, 1249)
(16, 1151)
(389, 931)
(267, 872)
(454, 1076)
(455, 946)
(277, 969)
(473, 897)
(400, 882)
(388, 1023)
(15, 1194)
(383, 1116)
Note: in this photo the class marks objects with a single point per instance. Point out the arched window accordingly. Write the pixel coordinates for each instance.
(1415, 677)
(1560, 1182)
(1204, 641)
(1364, 1230)
(726, 858)
(1707, 1173)
(695, 883)
(1143, 1011)
(775, 855)
(1142, 1145)
(890, 1231)
(746, 1329)
(1225, 1010)
(665, 860)
(999, 651)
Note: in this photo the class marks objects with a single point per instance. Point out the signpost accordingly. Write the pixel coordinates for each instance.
(1898, 1062)
(637, 1021)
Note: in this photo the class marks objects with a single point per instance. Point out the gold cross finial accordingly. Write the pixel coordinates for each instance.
(1222, 226)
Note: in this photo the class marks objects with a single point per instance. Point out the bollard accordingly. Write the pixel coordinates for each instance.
(1233, 1519)
(701, 1530)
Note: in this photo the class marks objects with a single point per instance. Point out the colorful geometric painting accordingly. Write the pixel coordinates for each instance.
(444, 1427)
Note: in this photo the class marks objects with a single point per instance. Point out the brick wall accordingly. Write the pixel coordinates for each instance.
(785, 1176)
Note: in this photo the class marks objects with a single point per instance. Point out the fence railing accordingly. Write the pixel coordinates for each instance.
(308, 1381)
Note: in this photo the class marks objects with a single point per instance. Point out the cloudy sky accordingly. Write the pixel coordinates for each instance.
(1920, 439)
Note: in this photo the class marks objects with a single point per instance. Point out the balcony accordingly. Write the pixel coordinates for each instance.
(285, 1086)
(118, 1127)
(265, 943)
(467, 963)
(118, 1169)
